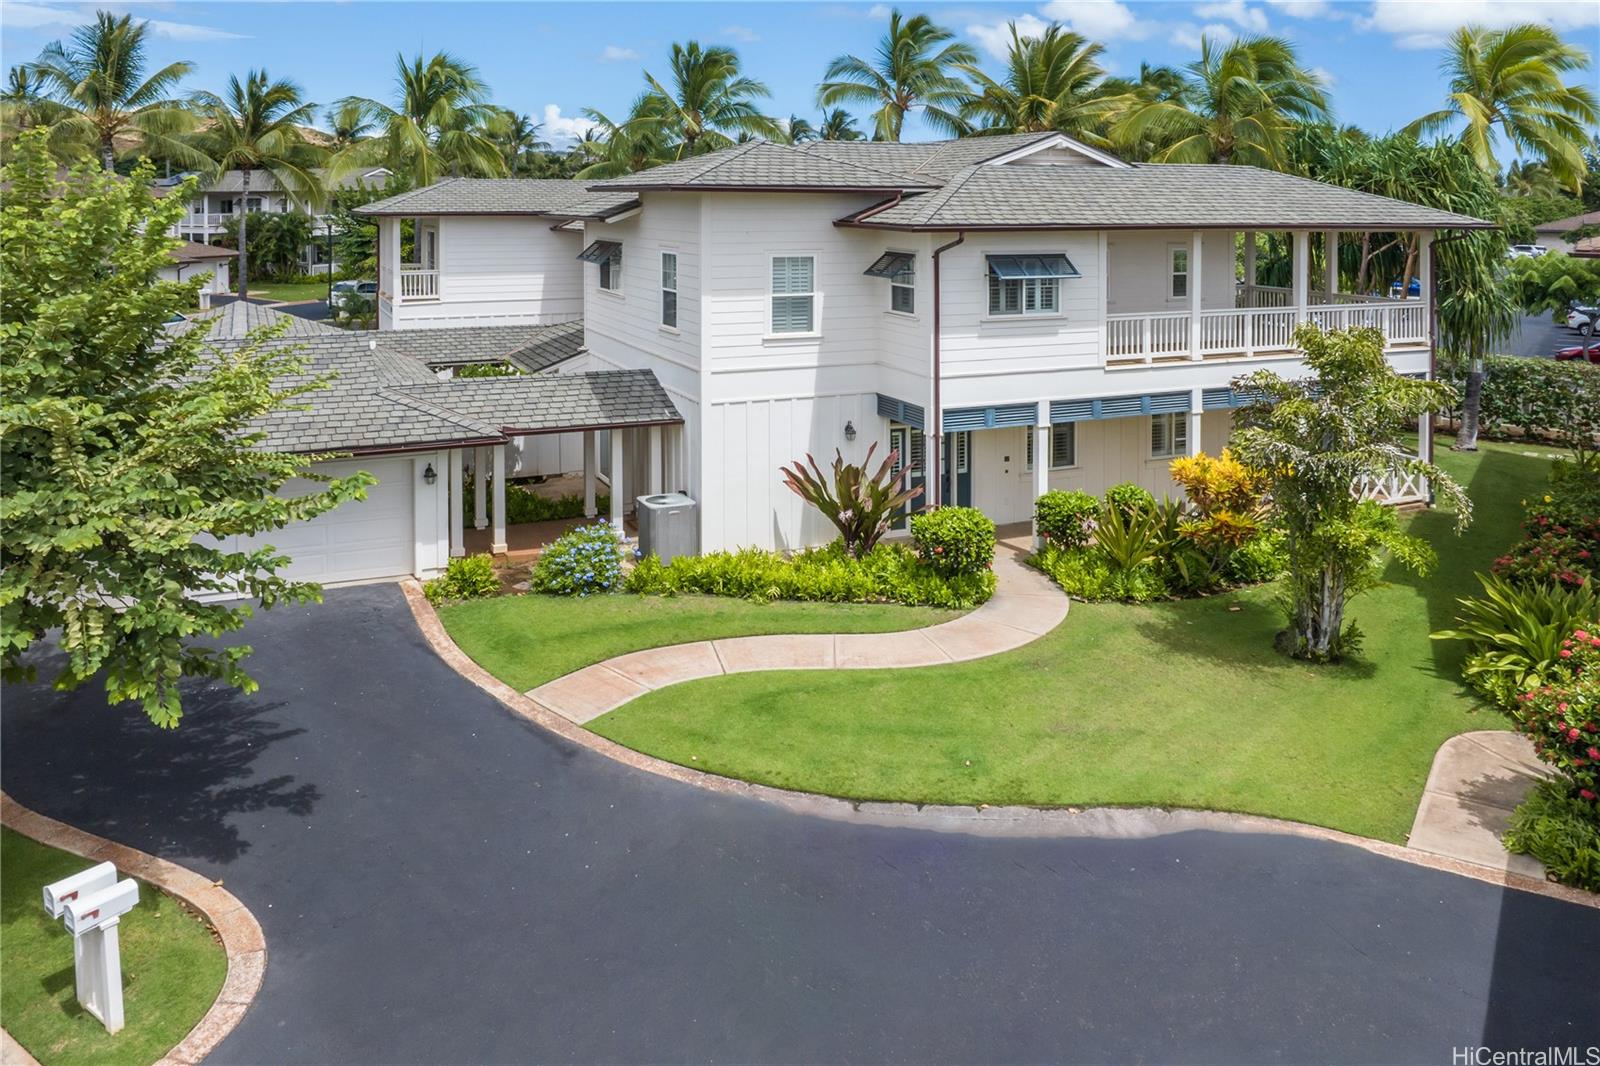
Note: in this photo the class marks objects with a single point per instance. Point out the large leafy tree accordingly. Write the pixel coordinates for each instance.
(1050, 82)
(121, 445)
(1240, 102)
(1317, 440)
(110, 98)
(706, 102)
(256, 127)
(1508, 83)
(440, 123)
(916, 68)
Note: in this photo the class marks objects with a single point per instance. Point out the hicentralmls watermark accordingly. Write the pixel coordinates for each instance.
(1547, 1056)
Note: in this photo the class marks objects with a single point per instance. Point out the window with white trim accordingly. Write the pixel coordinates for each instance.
(611, 270)
(1063, 446)
(903, 289)
(1178, 272)
(669, 289)
(1027, 284)
(1169, 435)
(794, 295)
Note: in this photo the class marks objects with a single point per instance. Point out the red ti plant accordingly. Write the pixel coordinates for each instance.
(859, 504)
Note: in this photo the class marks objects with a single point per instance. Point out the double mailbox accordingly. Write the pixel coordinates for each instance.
(89, 899)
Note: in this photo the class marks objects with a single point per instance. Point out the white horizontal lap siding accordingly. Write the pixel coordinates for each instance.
(905, 342)
(1140, 278)
(501, 271)
(626, 326)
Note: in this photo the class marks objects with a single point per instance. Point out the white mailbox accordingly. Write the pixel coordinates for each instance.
(68, 889)
(93, 910)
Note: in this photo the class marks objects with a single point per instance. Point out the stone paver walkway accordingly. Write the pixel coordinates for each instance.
(1025, 606)
(1476, 781)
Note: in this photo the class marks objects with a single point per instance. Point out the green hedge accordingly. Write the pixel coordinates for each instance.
(525, 505)
(1534, 395)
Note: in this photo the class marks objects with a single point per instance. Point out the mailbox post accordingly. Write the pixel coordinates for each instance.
(92, 904)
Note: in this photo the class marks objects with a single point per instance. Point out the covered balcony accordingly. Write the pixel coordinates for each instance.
(1176, 297)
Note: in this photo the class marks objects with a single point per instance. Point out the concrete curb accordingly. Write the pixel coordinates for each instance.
(1102, 822)
(236, 927)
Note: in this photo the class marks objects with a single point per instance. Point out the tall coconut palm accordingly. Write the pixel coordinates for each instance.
(1508, 82)
(916, 68)
(709, 102)
(797, 130)
(519, 141)
(639, 142)
(350, 124)
(256, 126)
(108, 99)
(438, 124)
(1239, 104)
(1051, 82)
(838, 125)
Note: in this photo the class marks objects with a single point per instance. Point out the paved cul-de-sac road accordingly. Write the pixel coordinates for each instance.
(440, 881)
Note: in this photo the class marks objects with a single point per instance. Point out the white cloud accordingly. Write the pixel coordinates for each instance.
(1304, 9)
(1187, 34)
(1237, 12)
(879, 11)
(742, 34)
(1428, 25)
(995, 37)
(41, 16)
(1098, 20)
(613, 53)
(1328, 78)
(562, 128)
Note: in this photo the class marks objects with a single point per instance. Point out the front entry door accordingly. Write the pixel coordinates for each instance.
(957, 465)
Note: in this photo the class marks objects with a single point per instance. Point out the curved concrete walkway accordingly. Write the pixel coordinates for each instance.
(1025, 606)
(1476, 781)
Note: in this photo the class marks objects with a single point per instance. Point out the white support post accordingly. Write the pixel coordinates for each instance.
(655, 459)
(1196, 283)
(1197, 412)
(1424, 273)
(590, 464)
(1249, 267)
(97, 960)
(458, 540)
(1041, 465)
(480, 491)
(1330, 264)
(1301, 270)
(498, 544)
(616, 481)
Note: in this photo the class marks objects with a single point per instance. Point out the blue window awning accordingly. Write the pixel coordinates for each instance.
(893, 265)
(600, 251)
(1012, 267)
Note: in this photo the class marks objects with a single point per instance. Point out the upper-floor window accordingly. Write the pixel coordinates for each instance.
(1178, 284)
(1027, 284)
(1063, 446)
(1169, 435)
(669, 289)
(794, 295)
(607, 255)
(900, 269)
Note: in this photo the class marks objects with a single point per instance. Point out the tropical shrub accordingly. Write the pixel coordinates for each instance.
(1066, 518)
(1562, 532)
(954, 540)
(486, 370)
(1129, 538)
(1561, 831)
(581, 561)
(1515, 633)
(1541, 396)
(860, 505)
(466, 578)
(1225, 509)
(1563, 718)
(1130, 499)
(1261, 558)
(1087, 574)
(526, 505)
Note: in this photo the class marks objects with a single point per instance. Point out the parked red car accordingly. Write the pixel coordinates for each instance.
(1590, 351)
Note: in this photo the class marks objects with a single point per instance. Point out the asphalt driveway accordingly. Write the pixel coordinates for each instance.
(440, 881)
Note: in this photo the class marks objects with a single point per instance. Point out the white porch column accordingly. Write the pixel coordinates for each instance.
(1300, 268)
(1197, 411)
(1249, 264)
(1330, 265)
(590, 463)
(497, 544)
(655, 459)
(616, 481)
(458, 542)
(1424, 272)
(1196, 248)
(480, 492)
(1041, 465)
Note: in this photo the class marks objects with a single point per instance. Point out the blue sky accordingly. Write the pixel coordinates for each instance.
(553, 59)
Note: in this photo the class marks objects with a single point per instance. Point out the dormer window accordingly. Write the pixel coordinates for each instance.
(1027, 284)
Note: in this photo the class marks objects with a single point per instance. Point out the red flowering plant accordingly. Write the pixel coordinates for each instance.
(1563, 719)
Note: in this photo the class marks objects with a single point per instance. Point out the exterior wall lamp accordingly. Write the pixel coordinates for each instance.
(428, 474)
(849, 430)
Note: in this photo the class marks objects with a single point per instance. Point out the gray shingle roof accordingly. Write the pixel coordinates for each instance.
(263, 181)
(233, 320)
(556, 197)
(764, 165)
(1171, 196)
(190, 252)
(549, 402)
(528, 348)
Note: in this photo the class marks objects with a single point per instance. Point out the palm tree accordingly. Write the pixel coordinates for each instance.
(1239, 103)
(1050, 82)
(914, 69)
(519, 141)
(798, 130)
(1531, 179)
(350, 122)
(257, 127)
(100, 81)
(838, 125)
(438, 124)
(1510, 80)
(710, 101)
(639, 142)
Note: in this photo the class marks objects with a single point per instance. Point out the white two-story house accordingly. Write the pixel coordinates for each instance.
(1009, 314)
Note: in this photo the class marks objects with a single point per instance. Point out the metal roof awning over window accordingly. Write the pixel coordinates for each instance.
(600, 251)
(891, 265)
(1011, 267)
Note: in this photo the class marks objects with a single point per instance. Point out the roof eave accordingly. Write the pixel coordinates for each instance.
(952, 227)
(706, 187)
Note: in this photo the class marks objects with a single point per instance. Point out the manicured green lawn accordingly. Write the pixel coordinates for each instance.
(528, 640)
(1175, 704)
(172, 968)
(290, 292)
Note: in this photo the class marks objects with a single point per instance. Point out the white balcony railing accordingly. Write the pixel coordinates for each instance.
(1255, 330)
(419, 285)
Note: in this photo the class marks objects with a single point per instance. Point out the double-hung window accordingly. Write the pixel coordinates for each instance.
(794, 296)
(669, 289)
(1027, 284)
(1169, 435)
(607, 255)
(1178, 273)
(900, 269)
(1063, 446)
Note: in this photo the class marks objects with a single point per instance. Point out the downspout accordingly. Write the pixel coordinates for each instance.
(936, 460)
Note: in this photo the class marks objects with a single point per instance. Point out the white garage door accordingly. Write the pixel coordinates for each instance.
(362, 539)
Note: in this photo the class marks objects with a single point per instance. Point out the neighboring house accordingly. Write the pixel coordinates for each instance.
(189, 259)
(1552, 234)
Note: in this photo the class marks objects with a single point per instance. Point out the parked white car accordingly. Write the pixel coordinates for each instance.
(344, 291)
(1525, 251)
(1582, 319)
